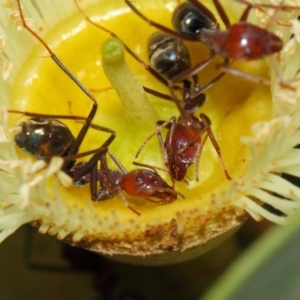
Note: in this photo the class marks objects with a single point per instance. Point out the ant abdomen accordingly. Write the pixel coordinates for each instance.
(189, 20)
(250, 42)
(167, 54)
(44, 138)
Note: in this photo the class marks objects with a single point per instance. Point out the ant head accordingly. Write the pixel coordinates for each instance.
(167, 54)
(44, 138)
(189, 20)
(146, 183)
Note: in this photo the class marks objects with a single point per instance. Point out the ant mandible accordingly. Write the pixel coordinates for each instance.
(242, 41)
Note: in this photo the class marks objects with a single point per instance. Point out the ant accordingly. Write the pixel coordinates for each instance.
(181, 62)
(136, 183)
(242, 41)
(183, 143)
(44, 137)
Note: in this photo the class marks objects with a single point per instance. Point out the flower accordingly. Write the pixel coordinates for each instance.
(214, 207)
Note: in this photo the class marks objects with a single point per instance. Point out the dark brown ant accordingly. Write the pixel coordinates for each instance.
(242, 41)
(183, 143)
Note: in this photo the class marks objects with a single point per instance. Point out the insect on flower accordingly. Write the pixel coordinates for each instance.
(242, 41)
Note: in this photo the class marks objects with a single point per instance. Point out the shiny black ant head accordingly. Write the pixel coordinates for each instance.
(167, 54)
(189, 20)
(44, 138)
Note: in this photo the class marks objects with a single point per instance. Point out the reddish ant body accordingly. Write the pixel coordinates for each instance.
(183, 144)
(242, 41)
(136, 183)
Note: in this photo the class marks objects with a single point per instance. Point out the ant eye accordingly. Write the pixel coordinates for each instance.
(248, 52)
(139, 179)
(189, 20)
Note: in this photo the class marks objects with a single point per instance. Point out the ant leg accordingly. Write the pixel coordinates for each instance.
(159, 126)
(136, 57)
(265, 5)
(198, 158)
(211, 136)
(153, 168)
(194, 94)
(184, 75)
(76, 144)
(155, 24)
(115, 187)
(224, 68)
(208, 13)
(117, 162)
(244, 16)
(157, 94)
(190, 72)
(94, 159)
(54, 57)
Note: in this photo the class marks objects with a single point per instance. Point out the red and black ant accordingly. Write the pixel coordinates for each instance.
(44, 137)
(242, 41)
(183, 144)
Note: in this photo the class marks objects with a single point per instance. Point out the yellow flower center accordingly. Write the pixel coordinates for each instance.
(233, 105)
